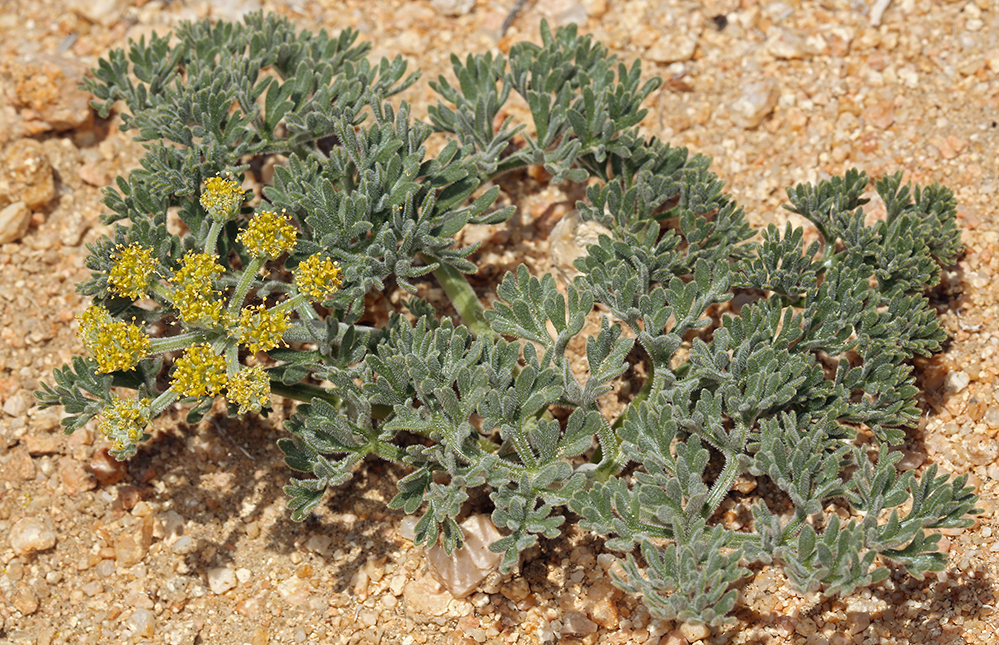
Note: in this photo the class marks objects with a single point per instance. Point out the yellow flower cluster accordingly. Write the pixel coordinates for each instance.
(261, 329)
(199, 371)
(114, 344)
(268, 235)
(222, 198)
(249, 389)
(123, 424)
(195, 298)
(130, 274)
(318, 277)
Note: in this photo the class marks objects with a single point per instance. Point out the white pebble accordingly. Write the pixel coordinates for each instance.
(29, 535)
(221, 580)
(142, 622)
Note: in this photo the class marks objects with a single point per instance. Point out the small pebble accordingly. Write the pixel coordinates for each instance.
(142, 622)
(29, 535)
(452, 7)
(221, 580)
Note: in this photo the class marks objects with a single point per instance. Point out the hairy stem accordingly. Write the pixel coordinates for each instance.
(243, 286)
(465, 301)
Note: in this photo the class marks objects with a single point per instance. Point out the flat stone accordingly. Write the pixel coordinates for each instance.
(426, 598)
(463, 570)
(452, 7)
(45, 444)
(14, 221)
(576, 622)
(25, 600)
(672, 47)
(48, 94)
(29, 535)
(756, 101)
(295, 590)
(221, 580)
(27, 175)
(75, 478)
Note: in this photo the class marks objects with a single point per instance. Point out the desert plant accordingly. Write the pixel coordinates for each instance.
(807, 384)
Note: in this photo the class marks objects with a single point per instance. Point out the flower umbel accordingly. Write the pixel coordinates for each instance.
(261, 329)
(115, 344)
(130, 275)
(123, 423)
(318, 277)
(268, 234)
(222, 198)
(199, 372)
(195, 298)
(249, 388)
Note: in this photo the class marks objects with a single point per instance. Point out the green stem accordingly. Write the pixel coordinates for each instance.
(293, 303)
(173, 343)
(508, 165)
(243, 286)
(465, 301)
(211, 244)
(642, 395)
(719, 490)
(161, 402)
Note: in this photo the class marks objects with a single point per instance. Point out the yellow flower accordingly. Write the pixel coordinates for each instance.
(249, 389)
(199, 371)
(261, 329)
(222, 197)
(123, 423)
(318, 277)
(130, 274)
(268, 235)
(194, 297)
(115, 344)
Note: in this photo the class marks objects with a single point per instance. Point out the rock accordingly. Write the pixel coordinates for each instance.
(169, 526)
(694, 632)
(319, 544)
(27, 175)
(25, 600)
(672, 47)
(20, 465)
(576, 622)
(462, 571)
(129, 550)
(295, 590)
(601, 603)
(756, 101)
(956, 382)
(48, 95)
(16, 405)
(75, 479)
(426, 598)
(181, 632)
(569, 240)
(142, 622)
(29, 535)
(243, 575)
(785, 44)
(107, 469)
(183, 545)
(14, 220)
(103, 12)
(221, 580)
(452, 7)
(44, 444)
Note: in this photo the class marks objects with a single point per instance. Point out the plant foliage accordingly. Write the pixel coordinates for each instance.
(807, 384)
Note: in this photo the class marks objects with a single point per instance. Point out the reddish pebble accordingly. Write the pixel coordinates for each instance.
(107, 469)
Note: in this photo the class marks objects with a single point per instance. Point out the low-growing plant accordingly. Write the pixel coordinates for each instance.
(805, 386)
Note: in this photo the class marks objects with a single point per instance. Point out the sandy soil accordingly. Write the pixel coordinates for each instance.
(135, 549)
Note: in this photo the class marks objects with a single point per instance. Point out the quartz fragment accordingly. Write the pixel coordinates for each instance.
(221, 580)
(462, 571)
(29, 535)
